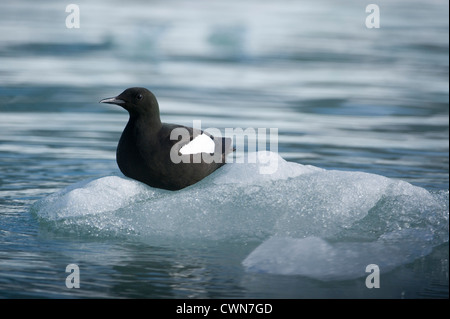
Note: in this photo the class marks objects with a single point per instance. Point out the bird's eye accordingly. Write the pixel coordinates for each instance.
(139, 96)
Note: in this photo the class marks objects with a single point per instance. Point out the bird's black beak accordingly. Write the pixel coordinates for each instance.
(113, 100)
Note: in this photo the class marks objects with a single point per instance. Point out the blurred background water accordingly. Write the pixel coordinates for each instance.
(343, 97)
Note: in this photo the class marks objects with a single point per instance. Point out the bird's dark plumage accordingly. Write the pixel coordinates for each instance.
(144, 149)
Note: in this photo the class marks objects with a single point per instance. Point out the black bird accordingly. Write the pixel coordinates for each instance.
(158, 154)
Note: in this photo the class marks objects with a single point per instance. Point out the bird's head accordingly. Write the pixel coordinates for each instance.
(137, 101)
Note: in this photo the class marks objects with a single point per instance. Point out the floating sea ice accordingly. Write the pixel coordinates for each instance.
(90, 197)
(252, 169)
(323, 224)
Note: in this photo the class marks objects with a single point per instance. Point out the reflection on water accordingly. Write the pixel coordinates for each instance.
(341, 96)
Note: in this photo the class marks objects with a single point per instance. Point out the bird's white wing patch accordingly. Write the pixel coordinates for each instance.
(201, 144)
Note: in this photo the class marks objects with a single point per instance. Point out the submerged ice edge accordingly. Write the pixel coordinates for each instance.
(309, 221)
(317, 258)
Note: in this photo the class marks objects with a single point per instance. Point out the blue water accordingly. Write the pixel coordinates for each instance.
(362, 117)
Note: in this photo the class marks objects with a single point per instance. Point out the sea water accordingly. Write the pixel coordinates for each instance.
(360, 188)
